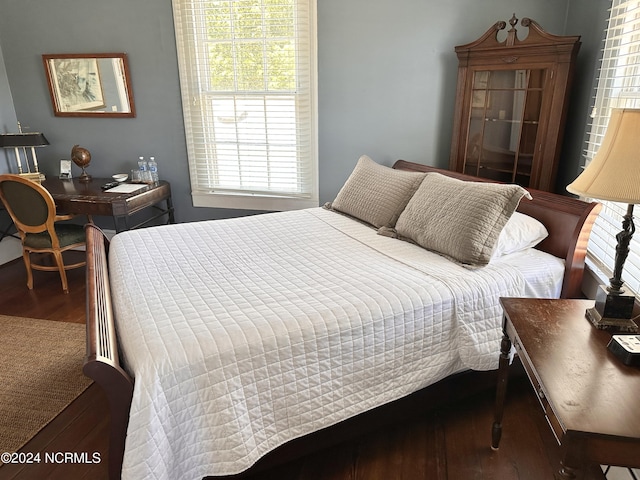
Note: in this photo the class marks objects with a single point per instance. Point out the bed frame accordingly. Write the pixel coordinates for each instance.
(568, 221)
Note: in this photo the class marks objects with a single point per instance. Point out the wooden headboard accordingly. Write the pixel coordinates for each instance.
(568, 221)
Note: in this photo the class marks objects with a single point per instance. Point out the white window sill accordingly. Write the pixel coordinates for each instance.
(593, 278)
(252, 202)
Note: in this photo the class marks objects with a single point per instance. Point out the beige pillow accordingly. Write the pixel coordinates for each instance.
(459, 219)
(376, 194)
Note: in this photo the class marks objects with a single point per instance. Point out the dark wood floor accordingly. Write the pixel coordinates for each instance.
(447, 443)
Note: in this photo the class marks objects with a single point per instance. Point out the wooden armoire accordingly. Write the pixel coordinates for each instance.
(511, 104)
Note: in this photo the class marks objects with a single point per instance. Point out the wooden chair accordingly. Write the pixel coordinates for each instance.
(33, 212)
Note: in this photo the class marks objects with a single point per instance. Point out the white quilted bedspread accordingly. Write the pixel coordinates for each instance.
(243, 334)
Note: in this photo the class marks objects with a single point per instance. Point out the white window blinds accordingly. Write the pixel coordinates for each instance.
(248, 81)
(618, 87)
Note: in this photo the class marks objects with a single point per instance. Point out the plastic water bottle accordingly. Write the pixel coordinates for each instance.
(145, 175)
(153, 169)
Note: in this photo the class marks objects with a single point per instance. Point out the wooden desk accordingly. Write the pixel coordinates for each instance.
(590, 398)
(74, 196)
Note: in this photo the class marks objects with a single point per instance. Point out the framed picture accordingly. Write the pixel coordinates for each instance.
(65, 169)
(89, 85)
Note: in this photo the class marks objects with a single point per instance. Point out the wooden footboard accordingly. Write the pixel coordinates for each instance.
(102, 363)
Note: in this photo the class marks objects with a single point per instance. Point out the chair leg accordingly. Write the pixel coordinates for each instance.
(63, 273)
(27, 264)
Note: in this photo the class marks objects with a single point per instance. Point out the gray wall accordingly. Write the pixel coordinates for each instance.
(8, 122)
(589, 21)
(387, 73)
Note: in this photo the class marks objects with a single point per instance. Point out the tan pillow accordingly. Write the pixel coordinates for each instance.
(459, 219)
(376, 194)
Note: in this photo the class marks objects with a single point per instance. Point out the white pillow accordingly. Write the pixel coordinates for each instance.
(520, 232)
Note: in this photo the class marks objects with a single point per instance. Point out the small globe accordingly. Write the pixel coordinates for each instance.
(80, 156)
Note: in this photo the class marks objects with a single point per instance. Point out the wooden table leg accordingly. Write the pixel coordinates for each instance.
(116, 223)
(170, 210)
(565, 473)
(573, 457)
(501, 391)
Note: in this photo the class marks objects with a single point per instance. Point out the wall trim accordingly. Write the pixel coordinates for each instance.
(10, 249)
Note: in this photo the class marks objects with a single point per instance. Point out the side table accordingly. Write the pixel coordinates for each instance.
(590, 398)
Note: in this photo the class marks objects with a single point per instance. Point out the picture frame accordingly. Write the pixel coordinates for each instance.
(94, 85)
(65, 169)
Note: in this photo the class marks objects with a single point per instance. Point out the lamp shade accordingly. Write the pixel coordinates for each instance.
(12, 140)
(614, 173)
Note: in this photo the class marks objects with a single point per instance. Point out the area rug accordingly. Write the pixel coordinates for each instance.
(40, 374)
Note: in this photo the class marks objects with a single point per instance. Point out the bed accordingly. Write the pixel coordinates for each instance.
(219, 342)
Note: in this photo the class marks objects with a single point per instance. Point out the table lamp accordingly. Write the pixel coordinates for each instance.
(23, 141)
(614, 175)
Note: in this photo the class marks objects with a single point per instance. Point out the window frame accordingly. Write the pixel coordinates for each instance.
(200, 158)
(616, 87)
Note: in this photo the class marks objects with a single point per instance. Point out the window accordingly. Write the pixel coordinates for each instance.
(618, 87)
(248, 81)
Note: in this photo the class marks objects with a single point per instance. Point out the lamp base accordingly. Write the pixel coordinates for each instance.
(34, 176)
(612, 312)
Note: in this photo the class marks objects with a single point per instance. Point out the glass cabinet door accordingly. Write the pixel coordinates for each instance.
(503, 124)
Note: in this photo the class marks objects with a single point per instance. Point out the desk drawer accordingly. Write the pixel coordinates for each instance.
(143, 200)
(555, 425)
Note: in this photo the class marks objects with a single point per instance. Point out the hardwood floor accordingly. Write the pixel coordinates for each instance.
(46, 301)
(447, 443)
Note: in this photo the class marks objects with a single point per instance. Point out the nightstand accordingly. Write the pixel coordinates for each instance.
(590, 398)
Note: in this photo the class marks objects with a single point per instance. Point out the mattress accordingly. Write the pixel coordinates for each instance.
(243, 334)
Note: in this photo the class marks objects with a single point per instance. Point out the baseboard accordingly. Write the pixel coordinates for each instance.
(109, 233)
(10, 249)
(592, 280)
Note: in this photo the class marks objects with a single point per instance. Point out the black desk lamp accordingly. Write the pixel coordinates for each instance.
(614, 175)
(23, 141)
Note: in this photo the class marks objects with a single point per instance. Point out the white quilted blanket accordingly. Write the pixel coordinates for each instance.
(243, 334)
